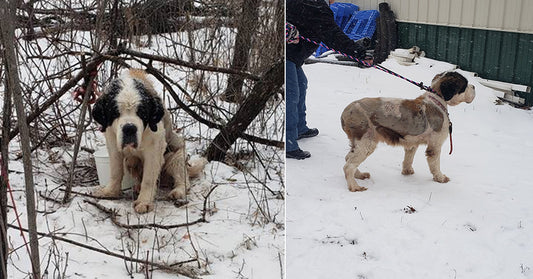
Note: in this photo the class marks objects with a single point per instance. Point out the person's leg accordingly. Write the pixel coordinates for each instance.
(303, 130)
(291, 110)
(302, 89)
(291, 105)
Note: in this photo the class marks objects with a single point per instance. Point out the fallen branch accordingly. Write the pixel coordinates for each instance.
(113, 214)
(124, 195)
(185, 271)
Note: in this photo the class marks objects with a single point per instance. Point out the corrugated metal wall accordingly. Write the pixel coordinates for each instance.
(508, 15)
(499, 55)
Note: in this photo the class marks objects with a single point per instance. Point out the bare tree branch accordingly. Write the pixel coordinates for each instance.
(163, 79)
(251, 107)
(189, 64)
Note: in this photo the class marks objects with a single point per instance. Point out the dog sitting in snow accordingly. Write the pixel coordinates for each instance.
(408, 123)
(140, 140)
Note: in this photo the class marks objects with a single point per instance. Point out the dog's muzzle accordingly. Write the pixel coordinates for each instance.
(129, 136)
(470, 93)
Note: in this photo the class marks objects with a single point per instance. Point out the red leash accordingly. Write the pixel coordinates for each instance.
(4, 176)
(451, 142)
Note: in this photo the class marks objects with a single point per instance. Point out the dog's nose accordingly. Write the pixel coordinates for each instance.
(129, 130)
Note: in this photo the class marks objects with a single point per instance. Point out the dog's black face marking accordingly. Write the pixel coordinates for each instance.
(452, 84)
(150, 109)
(129, 135)
(105, 109)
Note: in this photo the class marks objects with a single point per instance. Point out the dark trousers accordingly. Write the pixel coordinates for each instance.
(296, 87)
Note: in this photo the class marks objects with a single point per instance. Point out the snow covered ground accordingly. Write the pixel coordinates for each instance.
(478, 225)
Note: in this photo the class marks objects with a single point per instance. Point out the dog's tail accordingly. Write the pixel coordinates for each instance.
(196, 166)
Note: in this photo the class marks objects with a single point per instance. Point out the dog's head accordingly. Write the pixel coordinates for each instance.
(129, 107)
(454, 88)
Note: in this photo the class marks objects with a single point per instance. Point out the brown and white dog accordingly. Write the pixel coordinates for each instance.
(140, 140)
(408, 123)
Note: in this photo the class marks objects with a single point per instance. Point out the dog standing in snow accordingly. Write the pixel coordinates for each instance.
(408, 123)
(140, 140)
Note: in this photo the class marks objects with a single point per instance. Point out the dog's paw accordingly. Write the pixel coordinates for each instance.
(177, 193)
(106, 192)
(141, 206)
(408, 171)
(356, 188)
(362, 175)
(441, 178)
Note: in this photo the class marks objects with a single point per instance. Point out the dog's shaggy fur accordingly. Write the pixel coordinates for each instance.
(140, 140)
(408, 123)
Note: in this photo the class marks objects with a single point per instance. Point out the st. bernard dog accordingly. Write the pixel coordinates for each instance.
(140, 140)
(408, 123)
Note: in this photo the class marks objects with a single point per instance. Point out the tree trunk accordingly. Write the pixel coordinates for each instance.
(4, 177)
(243, 43)
(7, 12)
(251, 107)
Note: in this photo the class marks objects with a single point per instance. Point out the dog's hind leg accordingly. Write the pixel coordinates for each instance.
(359, 152)
(176, 167)
(407, 168)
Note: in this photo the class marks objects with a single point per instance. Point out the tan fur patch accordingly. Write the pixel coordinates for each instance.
(142, 76)
(414, 105)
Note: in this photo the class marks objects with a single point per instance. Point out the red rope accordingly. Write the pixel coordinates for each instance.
(4, 176)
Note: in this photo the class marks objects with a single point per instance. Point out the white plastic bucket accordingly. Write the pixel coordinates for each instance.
(101, 158)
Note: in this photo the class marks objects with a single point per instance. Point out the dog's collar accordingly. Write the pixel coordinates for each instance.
(438, 102)
(444, 109)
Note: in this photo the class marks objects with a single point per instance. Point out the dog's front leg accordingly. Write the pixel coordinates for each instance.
(151, 170)
(433, 157)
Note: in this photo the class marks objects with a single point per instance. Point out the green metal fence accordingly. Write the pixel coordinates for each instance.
(498, 55)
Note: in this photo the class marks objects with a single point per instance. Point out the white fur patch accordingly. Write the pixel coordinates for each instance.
(128, 99)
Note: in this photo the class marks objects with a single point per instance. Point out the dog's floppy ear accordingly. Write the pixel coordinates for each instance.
(157, 113)
(452, 83)
(448, 89)
(99, 112)
(105, 109)
(151, 109)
